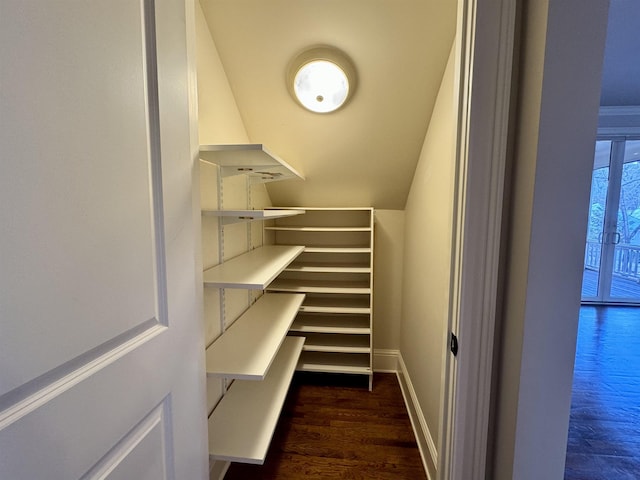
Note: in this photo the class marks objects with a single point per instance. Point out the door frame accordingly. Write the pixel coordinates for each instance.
(558, 87)
(485, 45)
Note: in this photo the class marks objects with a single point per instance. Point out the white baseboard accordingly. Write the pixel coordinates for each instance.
(426, 445)
(385, 361)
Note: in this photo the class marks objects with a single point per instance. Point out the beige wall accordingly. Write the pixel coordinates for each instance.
(427, 256)
(219, 120)
(387, 278)
(561, 62)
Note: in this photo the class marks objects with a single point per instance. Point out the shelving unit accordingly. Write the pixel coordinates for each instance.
(254, 352)
(336, 274)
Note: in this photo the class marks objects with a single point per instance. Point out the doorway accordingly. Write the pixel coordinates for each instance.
(612, 251)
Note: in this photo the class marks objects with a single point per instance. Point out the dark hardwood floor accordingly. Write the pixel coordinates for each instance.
(604, 430)
(332, 427)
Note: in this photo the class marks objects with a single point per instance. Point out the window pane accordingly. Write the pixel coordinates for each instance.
(626, 271)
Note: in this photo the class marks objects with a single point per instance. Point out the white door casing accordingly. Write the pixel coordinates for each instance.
(484, 60)
(101, 345)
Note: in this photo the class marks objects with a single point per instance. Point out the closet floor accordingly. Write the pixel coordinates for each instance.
(332, 427)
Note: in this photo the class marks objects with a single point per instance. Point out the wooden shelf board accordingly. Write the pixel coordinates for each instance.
(337, 304)
(247, 349)
(318, 229)
(254, 269)
(328, 268)
(335, 349)
(334, 363)
(337, 343)
(242, 425)
(319, 287)
(235, 216)
(254, 160)
(337, 249)
(331, 209)
(336, 309)
(342, 324)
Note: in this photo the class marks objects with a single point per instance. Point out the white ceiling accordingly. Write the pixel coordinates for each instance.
(364, 154)
(621, 76)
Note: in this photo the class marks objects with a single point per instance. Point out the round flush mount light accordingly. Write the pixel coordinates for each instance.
(321, 79)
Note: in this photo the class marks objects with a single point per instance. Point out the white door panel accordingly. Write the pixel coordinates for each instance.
(63, 262)
(68, 435)
(142, 455)
(101, 344)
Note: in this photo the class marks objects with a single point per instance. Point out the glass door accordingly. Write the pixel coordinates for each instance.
(612, 253)
(591, 277)
(625, 281)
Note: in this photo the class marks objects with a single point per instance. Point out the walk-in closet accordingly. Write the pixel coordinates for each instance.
(308, 218)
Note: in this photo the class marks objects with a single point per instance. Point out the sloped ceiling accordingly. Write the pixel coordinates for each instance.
(366, 153)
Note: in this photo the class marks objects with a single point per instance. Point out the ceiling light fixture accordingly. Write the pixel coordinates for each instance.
(321, 79)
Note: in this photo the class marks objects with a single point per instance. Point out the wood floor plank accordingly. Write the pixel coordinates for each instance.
(332, 427)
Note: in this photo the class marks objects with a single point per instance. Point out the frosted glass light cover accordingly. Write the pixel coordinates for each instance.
(321, 86)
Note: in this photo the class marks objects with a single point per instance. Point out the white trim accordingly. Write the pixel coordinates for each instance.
(619, 111)
(78, 370)
(627, 118)
(424, 439)
(157, 418)
(485, 51)
(618, 131)
(385, 361)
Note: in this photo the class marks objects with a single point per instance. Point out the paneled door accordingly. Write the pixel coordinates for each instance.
(612, 253)
(101, 349)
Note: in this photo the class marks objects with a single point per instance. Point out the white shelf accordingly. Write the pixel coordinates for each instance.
(241, 426)
(316, 342)
(247, 349)
(345, 324)
(254, 269)
(254, 160)
(236, 216)
(328, 268)
(319, 286)
(334, 309)
(337, 249)
(319, 229)
(336, 304)
(333, 209)
(334, 363)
